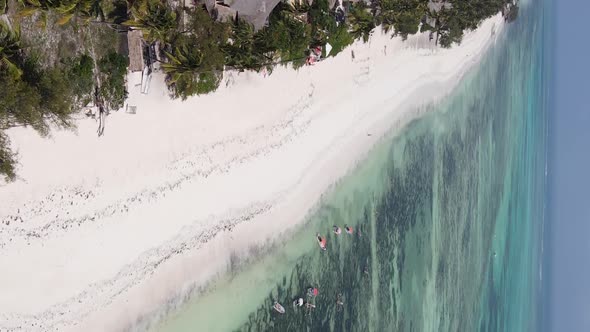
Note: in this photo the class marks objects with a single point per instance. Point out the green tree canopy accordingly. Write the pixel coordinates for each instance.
(10, 48)
(209, 38)
(402, 15)
(286, 35)
(113, 69)
(19, 103)
(241, 52)
(155, 18)
(196, 59)
(465, 15)
(323, 22)
(361, 21)
(339, 39)
(80, 75)
(66, 9)
(7, 159)
(183, 66)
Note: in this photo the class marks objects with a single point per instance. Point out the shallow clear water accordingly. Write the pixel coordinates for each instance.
(448, 214)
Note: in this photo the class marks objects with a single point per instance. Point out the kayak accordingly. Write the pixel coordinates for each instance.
(278, 308)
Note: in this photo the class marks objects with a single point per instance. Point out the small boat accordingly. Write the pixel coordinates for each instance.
(278, 308)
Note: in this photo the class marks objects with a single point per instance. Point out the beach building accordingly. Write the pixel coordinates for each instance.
(225, 14)
(141, 59)
(135, 50)
(222, 12)
(438, 5)
(255, 12)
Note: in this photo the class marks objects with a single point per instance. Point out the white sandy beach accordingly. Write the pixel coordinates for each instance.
(99, 231)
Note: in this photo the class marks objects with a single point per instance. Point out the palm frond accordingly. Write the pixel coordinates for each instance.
(12, 68)
(27, 11)
(64, 19)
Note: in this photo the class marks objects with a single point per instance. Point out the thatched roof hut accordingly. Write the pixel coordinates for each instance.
(135, 47)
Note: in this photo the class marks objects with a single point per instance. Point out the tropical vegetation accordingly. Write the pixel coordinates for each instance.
(113, 68)
(30, 95)
(154, 18)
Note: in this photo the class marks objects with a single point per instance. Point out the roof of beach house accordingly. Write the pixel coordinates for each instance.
(438, 5)
(135, 47)
(255, 12)
(293, 2)
(224, 13)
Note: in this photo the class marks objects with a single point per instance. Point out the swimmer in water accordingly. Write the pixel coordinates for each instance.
(312, 291)
(339, 302)
(298, 302)
(321, 241)
(349, 230)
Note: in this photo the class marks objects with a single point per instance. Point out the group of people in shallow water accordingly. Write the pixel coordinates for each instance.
(312, 292)
(337, 230)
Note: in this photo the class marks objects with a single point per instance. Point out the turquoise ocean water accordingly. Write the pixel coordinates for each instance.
(448, 216)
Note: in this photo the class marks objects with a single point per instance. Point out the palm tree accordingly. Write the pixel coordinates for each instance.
(403, 17)
(154, 18)
(243, 51)
(386, 19)
(298, 6)
(67, 9)
(10, 48)
(183, 67)
(184, 60)
(361, 21)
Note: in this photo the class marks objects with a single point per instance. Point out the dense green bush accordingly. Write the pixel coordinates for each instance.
(113, 69)
(81, 78)
(7, 159)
